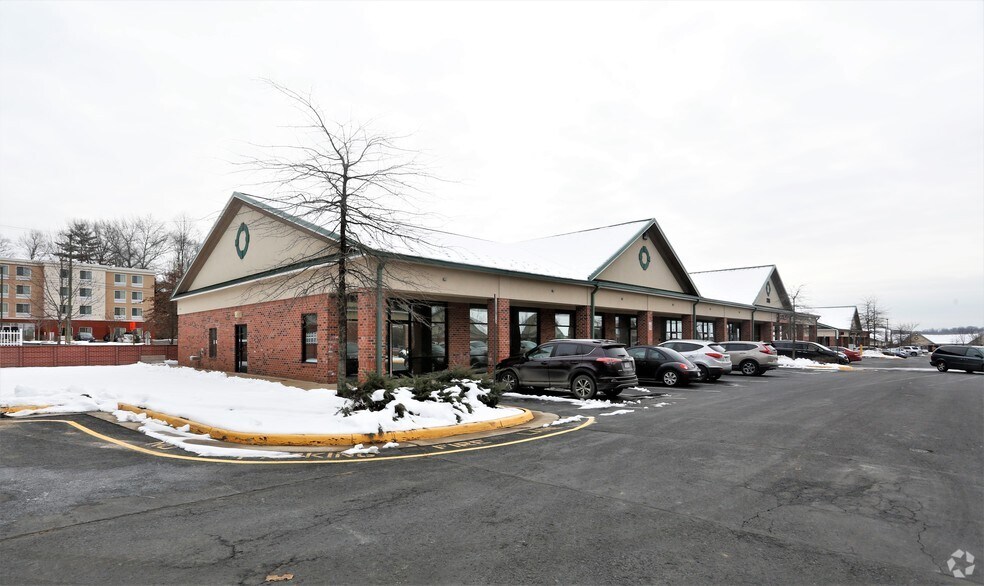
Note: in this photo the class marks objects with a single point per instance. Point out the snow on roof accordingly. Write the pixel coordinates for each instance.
(841, 318)
(950, 338)
(577, 255)
(741, 285)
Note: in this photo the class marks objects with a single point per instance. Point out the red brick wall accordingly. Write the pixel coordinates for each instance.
(274, 338)
(688, 327)
(367, 332)
(500, 331)
(607, 325)
(746, 330)
(81, 355)
(582, 322)
(548, 325)
(459, 335)
(721, 329)
(644, 322)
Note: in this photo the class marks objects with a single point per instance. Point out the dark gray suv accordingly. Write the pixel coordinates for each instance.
(583, 366)
(969, 358)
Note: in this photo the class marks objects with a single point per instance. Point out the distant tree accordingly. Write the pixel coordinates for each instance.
(185, 240)
(35, 245)
(905, 331)
(78, 241)
(873, 315)
(136, 242)
(352, 181)
(163, 318)
(6, 247)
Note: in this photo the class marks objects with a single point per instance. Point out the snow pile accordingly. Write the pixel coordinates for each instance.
(787, 362)
(234, 403)
(874, 353)
(582, 404)
(617, 412)
(564, 420)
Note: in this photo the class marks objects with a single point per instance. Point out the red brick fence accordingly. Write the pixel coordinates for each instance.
(82, 355)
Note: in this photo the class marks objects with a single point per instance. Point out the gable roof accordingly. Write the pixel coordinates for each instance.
(577, 256)
(737, 285)
(950, 338)
(839, 317)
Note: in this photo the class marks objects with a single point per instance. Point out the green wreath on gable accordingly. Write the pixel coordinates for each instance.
(241, 248)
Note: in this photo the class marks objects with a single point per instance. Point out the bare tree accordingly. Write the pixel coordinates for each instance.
(35, 245)
(136, 242)
(349, 180)
(185, 240)
(873, 314)
(65, 295)
(905, 331)
(796, 295)
(6, 246)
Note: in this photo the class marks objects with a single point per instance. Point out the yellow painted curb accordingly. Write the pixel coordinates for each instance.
(343, 439)
(17, 408)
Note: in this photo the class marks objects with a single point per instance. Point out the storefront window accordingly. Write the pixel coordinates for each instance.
(525, 331)
(562, 325)
(598, 327)
(352, 337)
(705, 330)
(418, 338)
(309, 337)
(478, 329)
(734, 331)
(626, 330)
(674, 329)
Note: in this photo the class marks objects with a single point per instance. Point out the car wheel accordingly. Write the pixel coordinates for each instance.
(509, 380)
(941, 366)
(705, 375)
(671, 378)
(749, 367)
(583, 387)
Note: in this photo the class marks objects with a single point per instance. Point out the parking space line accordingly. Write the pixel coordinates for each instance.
(451, 447)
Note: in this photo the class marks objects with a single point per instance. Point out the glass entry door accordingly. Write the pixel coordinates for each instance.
(418, 338)
(399, 350)
(241, 353)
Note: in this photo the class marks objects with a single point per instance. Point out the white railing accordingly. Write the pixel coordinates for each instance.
(11, 338)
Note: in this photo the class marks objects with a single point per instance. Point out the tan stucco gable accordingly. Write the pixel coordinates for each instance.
(769, 295)
(272, 243)
(643, 263)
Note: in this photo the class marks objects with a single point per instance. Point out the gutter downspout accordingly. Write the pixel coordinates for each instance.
(693, 320)
(379, 318)
(495, 332)
(751, 327)
(591, 313)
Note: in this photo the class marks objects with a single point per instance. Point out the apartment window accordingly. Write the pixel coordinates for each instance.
(136, 280)
(705, 330)
(5, 291)
(85, 292)
(62, 309)
(119, 312)
(119, 279)
(4, 308)
(63, 273)
(478, 329)
(63, 292)
(213, 342)
(23, 272)
(85, 275)
(309, 337)
(674, 329)
(136, 312)
(23, 290)
(4, 271)
(119, 295)
(562, 325)
(85, 310)
(136, 296)
(23, 309)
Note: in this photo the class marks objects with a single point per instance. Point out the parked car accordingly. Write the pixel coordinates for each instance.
(968, 358)
(852, 355)
(912, 350)
(663, 366)
(811, 350)
(897, 352)
(752, 357)
(583, 366)
(84, 337)
(711, 359)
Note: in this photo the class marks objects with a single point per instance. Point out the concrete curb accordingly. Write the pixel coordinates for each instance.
(16, 408)
(344, 439)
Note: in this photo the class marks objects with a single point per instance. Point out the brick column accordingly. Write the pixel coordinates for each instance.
(746, 330)
(548, 325)
(459, 335)
(644, 325)
(366, 306)
(582, 321)
(607, 325)
(688, 326)
(721, 329)
(498, 333)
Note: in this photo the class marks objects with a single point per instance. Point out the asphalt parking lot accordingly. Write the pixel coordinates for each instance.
(869, 476)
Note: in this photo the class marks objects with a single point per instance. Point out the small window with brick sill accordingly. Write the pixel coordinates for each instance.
(213, 342)
(309, 337)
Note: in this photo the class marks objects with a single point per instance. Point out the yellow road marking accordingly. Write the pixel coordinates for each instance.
(129, 446)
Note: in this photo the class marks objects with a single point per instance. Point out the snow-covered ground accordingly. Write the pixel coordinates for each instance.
(787, 362)
(875, 353)
(233, 403)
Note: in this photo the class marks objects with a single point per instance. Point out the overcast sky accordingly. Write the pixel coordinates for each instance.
(841, 141)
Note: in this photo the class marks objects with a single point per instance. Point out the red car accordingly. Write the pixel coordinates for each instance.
(852, 355)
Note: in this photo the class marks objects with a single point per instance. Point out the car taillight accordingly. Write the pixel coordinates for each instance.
(609, 361)
(682, 365)
(765, 350)
(715, 355)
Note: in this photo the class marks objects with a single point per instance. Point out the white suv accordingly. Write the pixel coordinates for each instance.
(711, 360)
(752, 358)
(911, 350)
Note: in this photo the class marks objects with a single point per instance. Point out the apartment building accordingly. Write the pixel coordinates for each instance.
(105, 302)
